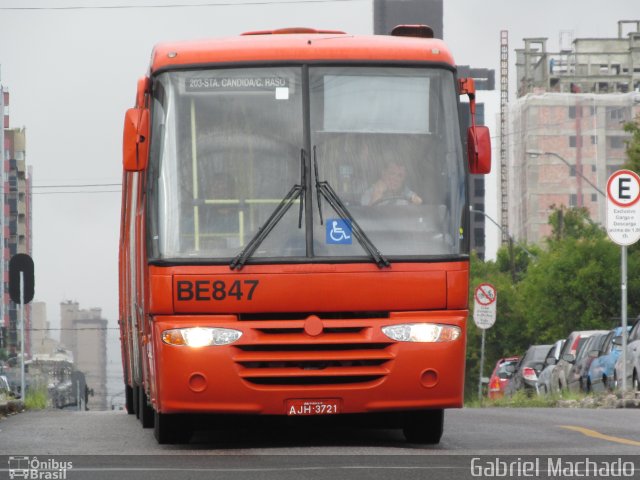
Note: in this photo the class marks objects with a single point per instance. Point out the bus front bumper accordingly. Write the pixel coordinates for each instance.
(349, 366)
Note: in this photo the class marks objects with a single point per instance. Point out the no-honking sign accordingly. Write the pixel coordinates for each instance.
(623, 207)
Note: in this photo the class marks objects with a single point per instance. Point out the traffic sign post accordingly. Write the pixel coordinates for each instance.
(623, 228)
(484, 316)
(21, 288)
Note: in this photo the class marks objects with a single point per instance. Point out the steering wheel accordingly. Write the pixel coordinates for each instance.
(391, 200)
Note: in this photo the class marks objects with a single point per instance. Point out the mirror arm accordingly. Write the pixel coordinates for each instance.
(467, 86)
(144, 87)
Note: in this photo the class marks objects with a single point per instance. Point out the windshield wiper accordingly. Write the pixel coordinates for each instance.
(324, 188)
(297, 191)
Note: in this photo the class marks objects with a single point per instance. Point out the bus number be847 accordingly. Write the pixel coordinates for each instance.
(205, 290)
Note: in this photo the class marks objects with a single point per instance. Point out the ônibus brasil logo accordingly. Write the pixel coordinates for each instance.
(35, 469)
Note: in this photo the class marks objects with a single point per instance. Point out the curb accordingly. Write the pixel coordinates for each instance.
(11, 407)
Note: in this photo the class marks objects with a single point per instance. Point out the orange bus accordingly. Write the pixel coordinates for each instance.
(295, 231)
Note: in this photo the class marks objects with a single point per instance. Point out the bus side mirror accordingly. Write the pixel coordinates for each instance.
(479, 149)
(478, 137)
(135, 141)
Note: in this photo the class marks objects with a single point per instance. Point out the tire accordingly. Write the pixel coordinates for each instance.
(136, 400)
(169, 429)
(128, 396)
(424, 426)
(146, 412)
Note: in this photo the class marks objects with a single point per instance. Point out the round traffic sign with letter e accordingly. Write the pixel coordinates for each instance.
(623, 188)
(623, 208)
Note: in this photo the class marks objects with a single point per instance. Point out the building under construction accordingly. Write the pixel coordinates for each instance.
(566, 127)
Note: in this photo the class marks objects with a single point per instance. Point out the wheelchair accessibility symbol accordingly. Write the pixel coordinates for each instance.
(338, 231)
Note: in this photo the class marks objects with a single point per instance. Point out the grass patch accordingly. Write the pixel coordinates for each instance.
(523, 400)
(36, 399)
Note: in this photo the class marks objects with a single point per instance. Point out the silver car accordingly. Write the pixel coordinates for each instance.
(544, 379)
(568, 355)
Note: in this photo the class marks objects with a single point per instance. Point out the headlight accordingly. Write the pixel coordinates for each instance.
(422, 332)
(200, 336)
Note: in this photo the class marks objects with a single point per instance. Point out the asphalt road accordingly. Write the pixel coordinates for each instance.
(113, 445)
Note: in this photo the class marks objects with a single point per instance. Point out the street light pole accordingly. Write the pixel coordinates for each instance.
(512, 262)
(503, 230)
(536, 153)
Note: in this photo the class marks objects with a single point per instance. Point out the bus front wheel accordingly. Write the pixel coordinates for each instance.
(170, 429)
(424, 426)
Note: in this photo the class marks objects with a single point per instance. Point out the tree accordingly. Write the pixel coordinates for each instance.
(633, 145)
(574, 222)
(574, 286)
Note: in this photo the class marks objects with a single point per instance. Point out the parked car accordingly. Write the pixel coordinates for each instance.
(502, 373)
(570, 350)
(601, 373)
(529, 367)
(587, 352)
(5, 389)
(544, 379)
(633, 359)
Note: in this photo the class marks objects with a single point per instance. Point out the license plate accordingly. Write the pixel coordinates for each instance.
(313, 407)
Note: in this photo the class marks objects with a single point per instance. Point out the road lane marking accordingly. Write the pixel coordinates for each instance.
(601, 436)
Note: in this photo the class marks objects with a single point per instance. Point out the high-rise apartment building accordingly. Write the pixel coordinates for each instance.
(84, 332)
(41, 341)
(566, 126)
(16, 221)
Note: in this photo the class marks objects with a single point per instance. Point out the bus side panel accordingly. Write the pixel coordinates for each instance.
(125, 326)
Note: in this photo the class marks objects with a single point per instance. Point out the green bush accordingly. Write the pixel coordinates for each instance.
(36, 399)
(522, 399)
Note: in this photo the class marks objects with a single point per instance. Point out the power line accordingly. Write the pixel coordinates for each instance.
(78, 185)
(69, 329)
(78, 192)
(186, 5)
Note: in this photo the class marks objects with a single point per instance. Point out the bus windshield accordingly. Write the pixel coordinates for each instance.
(229, 144)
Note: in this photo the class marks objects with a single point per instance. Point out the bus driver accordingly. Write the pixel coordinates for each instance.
(391, 188)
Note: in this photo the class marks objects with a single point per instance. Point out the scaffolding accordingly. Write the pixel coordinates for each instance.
(504, 103)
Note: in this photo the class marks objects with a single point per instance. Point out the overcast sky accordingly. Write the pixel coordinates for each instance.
(72, 73)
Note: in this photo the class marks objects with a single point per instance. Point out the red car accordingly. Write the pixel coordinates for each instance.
(501, 376)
